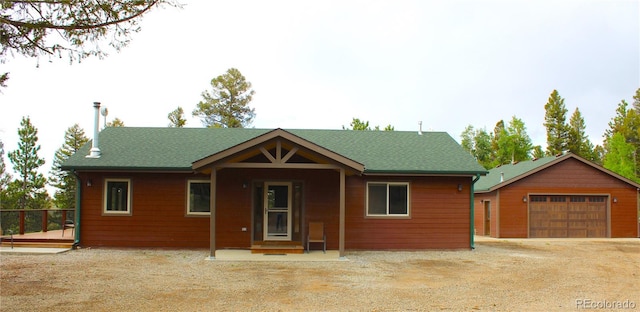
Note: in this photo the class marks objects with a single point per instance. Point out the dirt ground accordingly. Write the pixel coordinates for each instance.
(499, 275)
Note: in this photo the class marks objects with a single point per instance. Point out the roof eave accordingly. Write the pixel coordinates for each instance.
(122, 168)
(424, 172)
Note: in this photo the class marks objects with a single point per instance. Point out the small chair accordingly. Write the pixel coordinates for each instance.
(316, 235)
(68, 224)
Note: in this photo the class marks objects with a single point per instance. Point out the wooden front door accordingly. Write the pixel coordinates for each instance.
(277, 211)
(487, 218)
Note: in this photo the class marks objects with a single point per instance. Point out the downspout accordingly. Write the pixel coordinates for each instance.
(472, 206)
(76, 240)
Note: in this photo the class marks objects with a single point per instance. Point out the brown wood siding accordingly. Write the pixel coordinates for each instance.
(439, 212)
(479, 214)
(570, 177)
(158, 214)
(440, 216)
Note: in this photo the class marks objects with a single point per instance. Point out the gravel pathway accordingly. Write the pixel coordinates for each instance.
(499, 275)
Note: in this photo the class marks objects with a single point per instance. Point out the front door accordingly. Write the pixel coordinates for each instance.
(277, 211)
(487, 218)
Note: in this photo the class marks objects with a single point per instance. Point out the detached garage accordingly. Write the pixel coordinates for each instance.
(555, 197)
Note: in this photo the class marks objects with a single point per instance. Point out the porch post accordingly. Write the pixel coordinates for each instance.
(342, 214)
(212, 216)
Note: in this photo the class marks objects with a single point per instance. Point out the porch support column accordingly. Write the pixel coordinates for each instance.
(212, 217)
(342, 214)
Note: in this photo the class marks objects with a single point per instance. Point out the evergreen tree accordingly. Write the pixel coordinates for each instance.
(636, 100)
(578, 142)
(360, 125)
(227, 106)
(538, 152)
(555, 123)
(115, 123)
(65, 196)
(176, 118)
(5, 178)
(29, 187)
(35, 28)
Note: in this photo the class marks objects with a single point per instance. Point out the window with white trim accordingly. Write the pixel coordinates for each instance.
(117, 196)
(198, 198)
(387, 199)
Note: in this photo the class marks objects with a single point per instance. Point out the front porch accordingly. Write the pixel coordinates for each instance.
(276, 172)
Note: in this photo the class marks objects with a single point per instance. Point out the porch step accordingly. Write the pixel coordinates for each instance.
(36, 242)
(7, 243)
(277, 248)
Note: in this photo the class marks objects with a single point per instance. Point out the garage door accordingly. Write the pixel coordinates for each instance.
(567, 216)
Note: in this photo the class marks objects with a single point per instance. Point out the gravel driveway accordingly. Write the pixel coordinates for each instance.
(503, 275)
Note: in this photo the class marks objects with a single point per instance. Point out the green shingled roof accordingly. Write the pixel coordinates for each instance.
(131, 148)
(511, 172)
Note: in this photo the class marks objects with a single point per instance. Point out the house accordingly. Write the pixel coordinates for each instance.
(554, 197)
(240, 188)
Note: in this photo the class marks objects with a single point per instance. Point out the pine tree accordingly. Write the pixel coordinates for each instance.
(30, 185)
(578, 142)
(176, 118)
(65, 196)
(538, 152)
(5, 178)
(117, 122)
(555, 122)
(227, 106)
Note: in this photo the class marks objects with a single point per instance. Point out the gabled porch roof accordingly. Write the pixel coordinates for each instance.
(286, 145)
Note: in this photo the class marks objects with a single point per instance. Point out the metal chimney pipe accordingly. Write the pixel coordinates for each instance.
(95, 150)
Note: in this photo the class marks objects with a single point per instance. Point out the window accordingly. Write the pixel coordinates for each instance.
(578, 199)
(198, 200)
(117, 196)
(538, 198)
(387, 199)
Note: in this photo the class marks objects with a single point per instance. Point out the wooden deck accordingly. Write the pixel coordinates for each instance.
(49, 239)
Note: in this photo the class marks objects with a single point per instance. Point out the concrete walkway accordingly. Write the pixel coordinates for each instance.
(31, 250)
(246, 255)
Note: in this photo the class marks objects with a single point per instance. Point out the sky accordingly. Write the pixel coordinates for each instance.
(318, 64)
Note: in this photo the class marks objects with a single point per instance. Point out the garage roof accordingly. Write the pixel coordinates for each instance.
(506, 174)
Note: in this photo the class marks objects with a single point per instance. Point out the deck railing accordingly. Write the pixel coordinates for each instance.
(21, 221)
